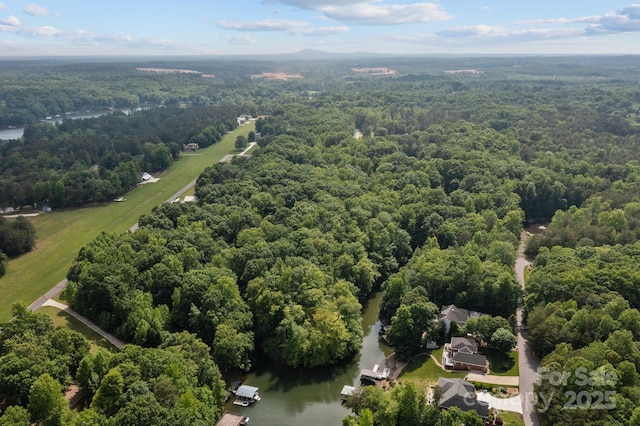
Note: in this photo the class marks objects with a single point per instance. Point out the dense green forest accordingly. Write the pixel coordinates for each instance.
(176, 383)
(82, 161)
(426, 203)
(17, 236)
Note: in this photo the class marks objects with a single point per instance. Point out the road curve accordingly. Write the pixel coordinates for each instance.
(527, 365)
(110, 337)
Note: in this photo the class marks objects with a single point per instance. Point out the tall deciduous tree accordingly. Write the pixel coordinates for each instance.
(47, 404)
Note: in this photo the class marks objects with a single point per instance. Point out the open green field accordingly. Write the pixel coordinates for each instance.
(425, 373)
(61, 233)
(63, 319)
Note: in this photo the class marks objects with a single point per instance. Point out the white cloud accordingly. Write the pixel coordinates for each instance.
(37, 10)
(316, 4)
(83, 37)
(243, 39)
(45, 31)
(2, 6)
(621, 21)
(263, 25)
(485, 31)
(372, 12)
(380, 14)
(321, 31)
(11, 21)
(491, 33)
(626, 19)
(292, 27)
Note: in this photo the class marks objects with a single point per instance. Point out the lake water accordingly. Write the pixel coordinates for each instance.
(292, 397)
(9, 134)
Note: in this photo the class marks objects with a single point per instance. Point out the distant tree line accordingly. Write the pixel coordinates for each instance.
(17, 236)
(82, 161)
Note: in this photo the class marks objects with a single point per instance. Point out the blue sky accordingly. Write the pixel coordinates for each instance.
(210, 27)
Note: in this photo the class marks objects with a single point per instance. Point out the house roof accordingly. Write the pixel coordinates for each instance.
(245, 391)
(470, 359)
(460, 393)
(457, 315)
(466, 344)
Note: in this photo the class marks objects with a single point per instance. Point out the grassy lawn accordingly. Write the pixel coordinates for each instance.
(61, 318)
(61, 233)
(425, 373)
(511, 419)
(502, 364)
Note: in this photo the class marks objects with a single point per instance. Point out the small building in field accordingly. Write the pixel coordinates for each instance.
(190, 147)
(244, 119)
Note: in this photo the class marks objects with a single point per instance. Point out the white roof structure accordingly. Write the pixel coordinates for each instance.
(245, 391)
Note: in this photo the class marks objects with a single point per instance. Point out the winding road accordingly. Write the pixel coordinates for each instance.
(528, 366)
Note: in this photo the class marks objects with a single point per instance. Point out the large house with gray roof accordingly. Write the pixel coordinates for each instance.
(460, 316)
(460, 393)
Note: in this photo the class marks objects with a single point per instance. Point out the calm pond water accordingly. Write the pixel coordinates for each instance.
(293, 397)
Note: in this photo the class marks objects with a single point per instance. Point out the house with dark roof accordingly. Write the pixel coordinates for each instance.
(460, 316)
(462, 354)
(460, 393)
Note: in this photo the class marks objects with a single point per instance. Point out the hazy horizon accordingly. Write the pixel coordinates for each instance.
(398, 27)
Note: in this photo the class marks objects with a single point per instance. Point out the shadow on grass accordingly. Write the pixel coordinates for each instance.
(415, 363)
(501, 363)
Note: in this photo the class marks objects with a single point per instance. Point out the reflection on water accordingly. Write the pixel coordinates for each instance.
(312, 397)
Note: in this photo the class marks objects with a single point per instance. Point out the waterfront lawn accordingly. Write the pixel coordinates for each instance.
(61, 233)
(502, 364)
(63, 319)
(424, 372)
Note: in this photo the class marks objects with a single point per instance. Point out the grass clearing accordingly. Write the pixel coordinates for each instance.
(502, 364)
(424, 372)
(511, 419)
(61, 233)
(63, 319)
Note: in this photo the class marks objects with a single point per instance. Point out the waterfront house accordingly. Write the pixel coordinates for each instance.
(461, 394)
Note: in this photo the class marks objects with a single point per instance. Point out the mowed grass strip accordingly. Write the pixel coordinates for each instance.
(61, 233)
(63, 319)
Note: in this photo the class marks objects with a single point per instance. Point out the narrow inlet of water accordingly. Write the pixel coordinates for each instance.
(294, 397)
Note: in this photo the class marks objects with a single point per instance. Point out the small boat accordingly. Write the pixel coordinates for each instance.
(241, 402)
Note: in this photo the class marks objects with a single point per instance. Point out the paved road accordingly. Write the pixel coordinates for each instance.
(528, 366)
(110, 337)
(48, 295)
